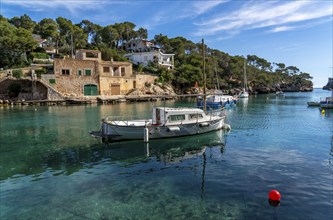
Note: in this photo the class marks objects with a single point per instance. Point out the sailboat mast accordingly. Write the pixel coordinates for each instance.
(204, 74)
(245, 79)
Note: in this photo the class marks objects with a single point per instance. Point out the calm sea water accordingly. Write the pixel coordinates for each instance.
(52, 169)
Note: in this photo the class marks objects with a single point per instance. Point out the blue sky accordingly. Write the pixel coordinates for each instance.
(296, 33)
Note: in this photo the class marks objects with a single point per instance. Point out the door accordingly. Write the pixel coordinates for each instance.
(90, 90)
(115, 89)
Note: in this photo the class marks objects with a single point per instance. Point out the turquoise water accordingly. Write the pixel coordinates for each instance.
(50, 168)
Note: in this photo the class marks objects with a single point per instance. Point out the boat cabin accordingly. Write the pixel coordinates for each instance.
(177, 116)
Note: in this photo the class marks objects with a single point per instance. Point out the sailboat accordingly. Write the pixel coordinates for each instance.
(244, 93)
(217, 100)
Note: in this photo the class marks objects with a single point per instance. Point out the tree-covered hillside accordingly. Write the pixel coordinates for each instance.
(222, 70)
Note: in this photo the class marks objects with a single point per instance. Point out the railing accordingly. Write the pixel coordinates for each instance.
(122, 121)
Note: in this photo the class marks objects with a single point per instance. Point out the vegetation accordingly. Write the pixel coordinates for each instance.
(17, 73)
(222, 70)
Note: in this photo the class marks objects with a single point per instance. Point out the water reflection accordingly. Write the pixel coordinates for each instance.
(330, 160)
(66, 161)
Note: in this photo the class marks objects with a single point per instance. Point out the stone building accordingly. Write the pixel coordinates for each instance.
(89, 75)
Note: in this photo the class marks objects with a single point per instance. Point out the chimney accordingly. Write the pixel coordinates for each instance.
(111, 60)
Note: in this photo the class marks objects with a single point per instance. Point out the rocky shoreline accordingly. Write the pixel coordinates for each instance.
(151, 92)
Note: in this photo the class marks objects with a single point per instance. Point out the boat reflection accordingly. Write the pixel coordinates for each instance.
(168, 150)
(330, 160)
(66, 161)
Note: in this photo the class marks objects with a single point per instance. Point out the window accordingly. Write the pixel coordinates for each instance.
(116, 71)
(106, 69)
(52, 81)
(122, 71)
(79, 72)
(91, 55)
(177, 117)
(87, 72)
(195, 116)
(65, 72)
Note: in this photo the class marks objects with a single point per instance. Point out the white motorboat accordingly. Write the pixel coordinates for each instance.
(165, 123)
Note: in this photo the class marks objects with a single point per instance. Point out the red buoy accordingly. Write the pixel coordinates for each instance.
(274, 195)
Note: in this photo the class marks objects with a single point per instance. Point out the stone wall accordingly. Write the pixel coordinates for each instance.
(126, 83)
(73, 84)
(30, 90)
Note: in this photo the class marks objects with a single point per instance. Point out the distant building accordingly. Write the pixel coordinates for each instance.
(140, 45)
(144, 52)
(41, 42)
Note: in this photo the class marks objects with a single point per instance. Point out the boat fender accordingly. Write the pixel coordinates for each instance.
(204, 124)
(174, 128)
(226, 127)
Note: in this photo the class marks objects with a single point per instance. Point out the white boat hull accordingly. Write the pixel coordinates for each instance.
(113, 132)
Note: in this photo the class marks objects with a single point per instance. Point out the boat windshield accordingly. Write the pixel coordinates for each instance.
(173, 118)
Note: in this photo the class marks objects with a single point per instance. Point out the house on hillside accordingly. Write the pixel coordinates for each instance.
(40, 41)
(143, 52)
(43, 43)
(88, 75)
(140, 45)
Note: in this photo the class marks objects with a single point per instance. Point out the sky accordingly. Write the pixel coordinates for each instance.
(296, 33)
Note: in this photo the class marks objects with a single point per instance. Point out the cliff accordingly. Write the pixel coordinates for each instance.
(329, 84)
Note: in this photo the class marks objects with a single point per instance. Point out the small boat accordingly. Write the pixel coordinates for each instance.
(216, 101)
(165, 123)
(313, 104)
(279, 93)
(326, 102)
(244, 93)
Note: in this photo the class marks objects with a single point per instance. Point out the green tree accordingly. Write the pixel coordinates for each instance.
(142, 33)
(109, 36)
(23, 21)
(14, 44)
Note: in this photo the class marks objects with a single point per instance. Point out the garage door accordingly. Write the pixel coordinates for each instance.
(115, 89)
(90, 90)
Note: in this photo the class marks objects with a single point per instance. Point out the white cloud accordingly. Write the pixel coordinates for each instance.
(71, 5)
(180, 10)
(202, 7)
(263, 14)
(282, 28)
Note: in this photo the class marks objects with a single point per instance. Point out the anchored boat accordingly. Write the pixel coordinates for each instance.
(217, 101)
(165, 123)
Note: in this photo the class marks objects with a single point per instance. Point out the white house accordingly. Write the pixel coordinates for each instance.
(140, 45)
(144, 51)
(166, 60)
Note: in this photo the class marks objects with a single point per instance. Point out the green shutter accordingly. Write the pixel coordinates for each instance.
(52, 81)
(87, 72)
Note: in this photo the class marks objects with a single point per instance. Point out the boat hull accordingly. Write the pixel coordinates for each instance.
(112, 132)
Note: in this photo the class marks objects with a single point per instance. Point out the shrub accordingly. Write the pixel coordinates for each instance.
(17, 73)
(39, 72)
(40, 55)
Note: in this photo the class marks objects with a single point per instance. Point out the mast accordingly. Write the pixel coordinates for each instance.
(204, 74)
(245, 79)
(217, 79)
